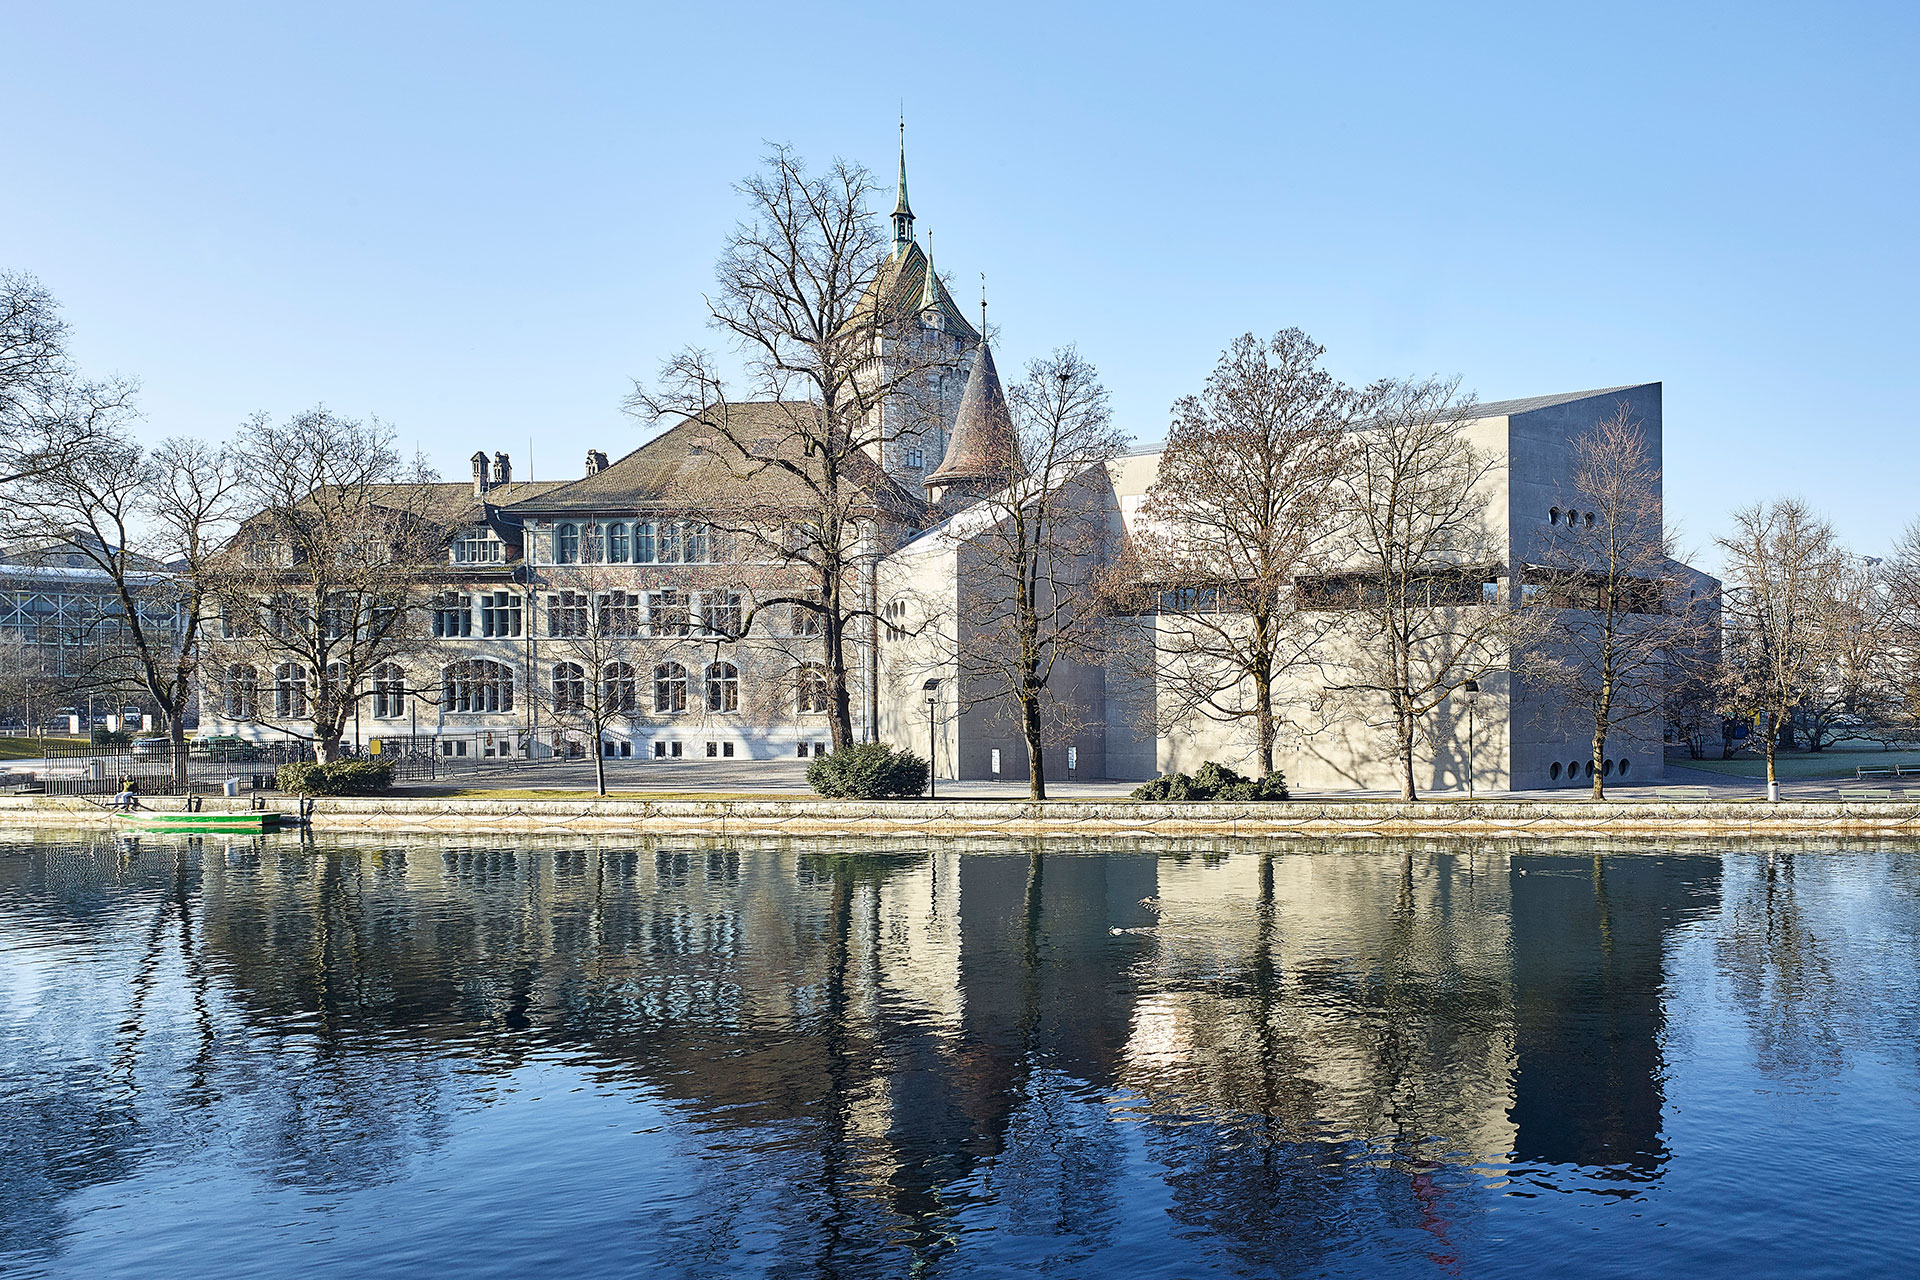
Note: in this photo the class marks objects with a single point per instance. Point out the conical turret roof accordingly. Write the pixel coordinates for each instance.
(982, 451)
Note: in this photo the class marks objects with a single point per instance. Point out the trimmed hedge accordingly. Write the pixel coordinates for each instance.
(342, 778)
(1214, 781)
(869, 771)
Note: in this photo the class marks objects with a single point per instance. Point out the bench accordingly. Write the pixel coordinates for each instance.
(1695, 794)
(1862, 774)
(1866, 793)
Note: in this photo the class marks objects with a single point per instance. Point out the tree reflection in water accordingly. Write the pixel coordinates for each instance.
(872, 1061)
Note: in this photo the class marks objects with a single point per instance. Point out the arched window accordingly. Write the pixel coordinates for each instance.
(693, 542)
(389, 692)
(289, 691)
(476, 686)
(596, 544)
(243, 692)
(566, 544)
(619, 691)
(569, 687)
(1553, 515)
(618, 549)
(669, 688)
(812, 679)
(723, 687)
(643, 542)
(667, 542)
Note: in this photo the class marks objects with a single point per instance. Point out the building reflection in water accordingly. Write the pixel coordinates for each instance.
(878, 1051)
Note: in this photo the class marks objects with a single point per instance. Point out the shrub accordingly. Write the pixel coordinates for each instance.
(105, 737)
(342, 778)
(869, 771)
(1213, 781)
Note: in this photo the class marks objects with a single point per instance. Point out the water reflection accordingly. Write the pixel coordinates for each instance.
(828, 1062)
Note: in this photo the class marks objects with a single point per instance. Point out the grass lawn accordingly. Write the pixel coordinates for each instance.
(1831, 763)
(32, 748)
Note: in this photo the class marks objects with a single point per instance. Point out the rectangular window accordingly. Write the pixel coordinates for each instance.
(693, 542)
(479, 548)
(452, 615)
(667, 614)
(659, 749)
(567, 614)
(668, 542)
(720, 613)
(726, 749)
(500, 613)
(713, 749)
(619, 613)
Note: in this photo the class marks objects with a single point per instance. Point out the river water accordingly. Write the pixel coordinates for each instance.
(513, 1057)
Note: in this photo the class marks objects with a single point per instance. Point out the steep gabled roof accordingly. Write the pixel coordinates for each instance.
(900, 283)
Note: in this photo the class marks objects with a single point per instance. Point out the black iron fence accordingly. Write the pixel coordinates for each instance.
(154, 768)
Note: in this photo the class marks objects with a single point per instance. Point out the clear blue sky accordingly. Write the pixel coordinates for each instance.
(479, 221)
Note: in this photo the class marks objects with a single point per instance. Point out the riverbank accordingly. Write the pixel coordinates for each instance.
(1061, 819)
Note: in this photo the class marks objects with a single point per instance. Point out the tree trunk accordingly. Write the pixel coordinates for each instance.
(1036, 762)
(599, 766)
(1404, 728)
(1263, 720)
(177, 744)
(326, 746)
(840, 710)
(1599, 765)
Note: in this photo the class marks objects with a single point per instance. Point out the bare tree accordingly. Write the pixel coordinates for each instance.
(47, 411)
(834, 371)
(1241, 506)
(1419, 592)
(1903, 590)
(1856, 690)
(315, 588)
(1780, 560)
(1603, 577)
(129, 511)
(1031, 597)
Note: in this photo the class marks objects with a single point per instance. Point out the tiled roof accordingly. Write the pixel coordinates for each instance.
(982, 444)
(687, 465)
(900, 281)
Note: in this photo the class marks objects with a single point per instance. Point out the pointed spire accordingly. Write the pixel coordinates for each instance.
(930, 289)
(902, 211)
(981, 454)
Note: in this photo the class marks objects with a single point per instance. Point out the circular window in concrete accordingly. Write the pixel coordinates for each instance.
(1624, 766)
(1608, 769)
(1554, 772)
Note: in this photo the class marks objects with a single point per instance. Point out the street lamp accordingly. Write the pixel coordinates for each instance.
(1472, 689)
(931, 691)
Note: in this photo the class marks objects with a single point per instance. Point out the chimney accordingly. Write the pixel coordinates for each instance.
(596, 462)
(502, 469)
(479, 475)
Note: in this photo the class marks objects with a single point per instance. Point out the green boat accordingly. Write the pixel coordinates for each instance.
(251, 822)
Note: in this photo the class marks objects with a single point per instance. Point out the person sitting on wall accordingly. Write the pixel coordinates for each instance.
(126, 799)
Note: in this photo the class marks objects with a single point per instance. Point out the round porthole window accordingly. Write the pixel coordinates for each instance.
(1554, 772)
(1553, 515)
(1624, 766)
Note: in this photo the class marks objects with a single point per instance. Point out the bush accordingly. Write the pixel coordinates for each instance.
(1214, 781)
(105, 737)
(870, 771)
(343, 778)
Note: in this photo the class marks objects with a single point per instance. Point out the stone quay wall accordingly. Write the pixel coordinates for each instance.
(1064, 820)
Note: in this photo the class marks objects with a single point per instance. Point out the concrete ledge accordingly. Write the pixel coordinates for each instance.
(1063, 820)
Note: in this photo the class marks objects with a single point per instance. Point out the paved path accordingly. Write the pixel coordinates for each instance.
(789, 777)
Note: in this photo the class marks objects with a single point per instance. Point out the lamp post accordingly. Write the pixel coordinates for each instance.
(1472, 689)
(931, 691)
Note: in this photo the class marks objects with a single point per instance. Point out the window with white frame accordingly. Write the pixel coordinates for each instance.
(619, 612)
(812, 692)
(389, 692)
(619, 690)
(452, 615)
(476, 686)
(479, 547)
(500, 613)
(289, 691)
(667, 613)
(669, 688)
(720, 613)
(567, 613)
(569, 687)
(723, 687)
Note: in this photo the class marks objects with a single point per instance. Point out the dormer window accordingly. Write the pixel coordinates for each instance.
(479, 548)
